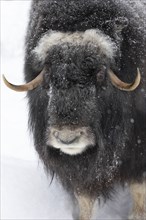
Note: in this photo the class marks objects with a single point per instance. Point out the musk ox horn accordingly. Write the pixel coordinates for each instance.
(122, 85)
(25, 87)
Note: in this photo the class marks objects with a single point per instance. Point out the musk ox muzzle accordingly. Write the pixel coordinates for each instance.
(70, 140)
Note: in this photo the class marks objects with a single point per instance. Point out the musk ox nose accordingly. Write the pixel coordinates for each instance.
(67, 136)
(71, 140)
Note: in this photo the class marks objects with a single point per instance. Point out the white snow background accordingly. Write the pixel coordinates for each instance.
(25, 190)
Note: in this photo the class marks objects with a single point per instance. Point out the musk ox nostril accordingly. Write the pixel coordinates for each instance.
(56, 134)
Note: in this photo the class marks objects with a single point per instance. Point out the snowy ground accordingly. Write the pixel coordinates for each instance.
(25, 188)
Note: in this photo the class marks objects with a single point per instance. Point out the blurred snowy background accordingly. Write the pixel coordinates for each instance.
(26, 193)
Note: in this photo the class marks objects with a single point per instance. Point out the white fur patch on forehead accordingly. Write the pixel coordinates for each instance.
(95, 37)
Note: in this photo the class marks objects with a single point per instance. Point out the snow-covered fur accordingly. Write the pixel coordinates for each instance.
(93, 36)
(77, 42)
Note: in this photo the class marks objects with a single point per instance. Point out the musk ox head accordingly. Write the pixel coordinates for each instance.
(74, 102)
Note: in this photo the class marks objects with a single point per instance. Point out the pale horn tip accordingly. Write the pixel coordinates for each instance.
(11, 86)
(123, 85)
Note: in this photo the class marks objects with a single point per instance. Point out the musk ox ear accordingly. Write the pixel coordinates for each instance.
(123, 85)
(25, 87)
(120, 23)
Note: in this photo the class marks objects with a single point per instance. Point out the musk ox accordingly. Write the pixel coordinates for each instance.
(85, 72)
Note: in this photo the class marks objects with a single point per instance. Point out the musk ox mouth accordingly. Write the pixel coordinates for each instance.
(71, 141)
(73, 151)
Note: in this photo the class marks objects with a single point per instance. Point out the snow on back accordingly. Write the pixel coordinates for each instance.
(137, 8)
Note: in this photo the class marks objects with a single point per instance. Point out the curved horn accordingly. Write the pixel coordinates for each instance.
(25, 87)
(122, 85)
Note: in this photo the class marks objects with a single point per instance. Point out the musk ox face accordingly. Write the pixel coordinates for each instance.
(71, 108)
(75, 80)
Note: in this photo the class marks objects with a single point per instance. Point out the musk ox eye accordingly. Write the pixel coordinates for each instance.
(100, 75)
(89, 63)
